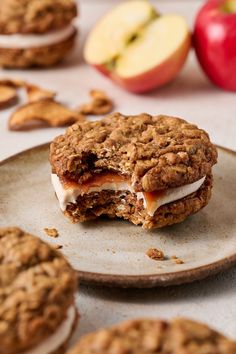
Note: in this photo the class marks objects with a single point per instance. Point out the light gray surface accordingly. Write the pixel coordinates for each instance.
(190, 96)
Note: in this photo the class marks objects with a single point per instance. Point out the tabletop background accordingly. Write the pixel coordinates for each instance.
(190, 96)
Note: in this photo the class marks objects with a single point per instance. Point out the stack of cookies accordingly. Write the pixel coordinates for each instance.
(36, 33)
(37, 295)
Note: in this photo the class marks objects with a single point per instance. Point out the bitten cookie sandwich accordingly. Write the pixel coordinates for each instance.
(36, 33)
(152, 171)
(150, 336)
(37, 289)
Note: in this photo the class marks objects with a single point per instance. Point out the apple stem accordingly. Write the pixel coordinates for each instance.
(229, 6)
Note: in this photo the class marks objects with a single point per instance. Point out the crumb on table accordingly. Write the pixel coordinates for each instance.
(51, 232)
(177, 260)
(155, 254)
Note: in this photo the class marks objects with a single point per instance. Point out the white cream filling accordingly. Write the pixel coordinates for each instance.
(69, 195)
(35, 40)
(56, 340)
(173, 194)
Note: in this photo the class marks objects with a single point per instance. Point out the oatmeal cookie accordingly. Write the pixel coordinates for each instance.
(36, 33)
(154, 152)
(37, 288)
(33, 16)
(152, 171)
(151, 336)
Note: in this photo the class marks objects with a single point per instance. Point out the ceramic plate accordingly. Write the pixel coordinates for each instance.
(114, 252)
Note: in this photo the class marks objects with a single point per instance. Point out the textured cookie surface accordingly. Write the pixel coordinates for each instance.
(154, 152)
(38, 56)
(35, 16)
(37, 286)
(180, 336)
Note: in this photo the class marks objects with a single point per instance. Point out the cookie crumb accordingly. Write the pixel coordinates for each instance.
(51, 232)
(57, 247)
(155, 254)
(177, 260)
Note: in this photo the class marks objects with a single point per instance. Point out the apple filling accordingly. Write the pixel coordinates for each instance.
(68, 191)
(25, 41)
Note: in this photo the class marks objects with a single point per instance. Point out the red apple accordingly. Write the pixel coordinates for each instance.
(138, 48)
(215, 42)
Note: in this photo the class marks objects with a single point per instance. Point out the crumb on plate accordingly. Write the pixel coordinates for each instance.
(155, 254)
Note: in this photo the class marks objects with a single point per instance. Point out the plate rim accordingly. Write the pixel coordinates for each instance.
(148, 280)
(161, 280)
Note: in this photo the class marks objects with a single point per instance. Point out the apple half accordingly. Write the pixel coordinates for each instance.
(138, 48)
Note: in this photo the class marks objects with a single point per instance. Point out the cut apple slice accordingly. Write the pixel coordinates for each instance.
(156, 56)
(116, 29)
(156, 43)
(138, 48)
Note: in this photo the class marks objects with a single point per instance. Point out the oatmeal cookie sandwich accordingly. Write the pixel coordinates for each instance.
(151, 170)
(36, 33)
(152, 336)
(37, 295)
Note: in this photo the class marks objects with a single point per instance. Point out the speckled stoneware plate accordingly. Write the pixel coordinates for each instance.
(114, 252)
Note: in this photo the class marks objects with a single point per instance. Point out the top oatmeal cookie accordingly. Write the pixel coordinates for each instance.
(149, 336)
(37, 286)
(155, 152)
(34, 16)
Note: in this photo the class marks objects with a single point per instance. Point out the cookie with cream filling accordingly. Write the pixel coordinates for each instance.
(36, 33)
(151, 170)
(37, 295)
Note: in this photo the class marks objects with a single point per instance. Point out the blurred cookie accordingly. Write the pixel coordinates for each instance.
(151, 170)
(36, 33)
(37, 295)
(149, 336)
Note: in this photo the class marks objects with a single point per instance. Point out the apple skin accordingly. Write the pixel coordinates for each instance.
(154, 78)
(214, 41)
(157, 76)
(102, 69)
